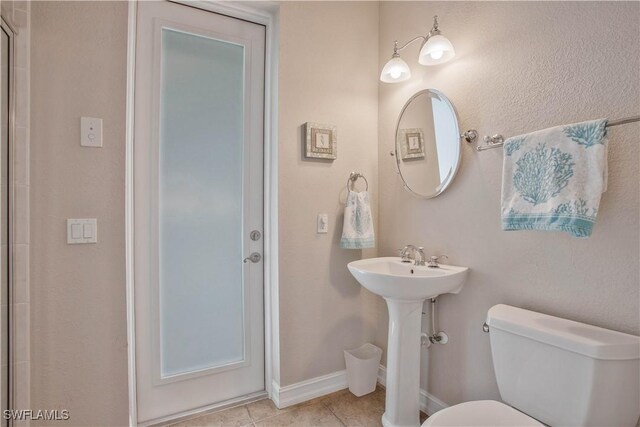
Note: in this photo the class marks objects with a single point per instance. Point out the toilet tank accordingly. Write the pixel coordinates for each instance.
(565, 373)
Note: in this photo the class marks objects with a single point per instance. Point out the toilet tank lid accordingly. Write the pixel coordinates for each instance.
(591, 341)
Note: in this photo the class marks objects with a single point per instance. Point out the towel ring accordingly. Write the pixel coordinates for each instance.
(353, 177)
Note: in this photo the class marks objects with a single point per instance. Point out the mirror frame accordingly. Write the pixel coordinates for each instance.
(446, 184)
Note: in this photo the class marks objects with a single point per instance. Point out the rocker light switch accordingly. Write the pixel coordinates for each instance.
(323, 223)
(87, 231)
(82, 231)
(90, 132)
(76, 231)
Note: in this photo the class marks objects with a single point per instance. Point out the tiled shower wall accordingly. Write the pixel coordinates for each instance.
(18, 16)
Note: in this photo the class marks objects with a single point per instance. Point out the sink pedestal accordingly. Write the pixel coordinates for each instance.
(405, 287)
(403, 364)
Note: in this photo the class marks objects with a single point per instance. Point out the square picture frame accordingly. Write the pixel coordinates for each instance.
(411, 143)
(321, 141)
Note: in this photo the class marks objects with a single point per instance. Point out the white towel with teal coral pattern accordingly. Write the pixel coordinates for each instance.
(357, 230)
(553, 179)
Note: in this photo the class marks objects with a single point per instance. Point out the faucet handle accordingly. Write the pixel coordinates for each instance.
(433, 260)
(404, 254)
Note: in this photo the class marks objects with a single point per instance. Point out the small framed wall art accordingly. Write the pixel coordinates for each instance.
(411, 143)
(321, 141)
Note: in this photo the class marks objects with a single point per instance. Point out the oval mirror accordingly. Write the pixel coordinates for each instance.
(428, 143)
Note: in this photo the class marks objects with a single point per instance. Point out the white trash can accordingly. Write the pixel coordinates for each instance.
(362, 368)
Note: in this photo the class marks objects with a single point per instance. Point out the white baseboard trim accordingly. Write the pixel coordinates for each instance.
(429, 404)
(382, 375)
(316, 387)
(309, 389)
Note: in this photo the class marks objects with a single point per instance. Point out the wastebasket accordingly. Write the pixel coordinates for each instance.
(362, 368)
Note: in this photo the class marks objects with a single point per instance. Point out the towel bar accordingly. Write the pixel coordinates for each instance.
(497, 141)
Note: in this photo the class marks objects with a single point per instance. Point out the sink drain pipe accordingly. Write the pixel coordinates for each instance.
(435, 337)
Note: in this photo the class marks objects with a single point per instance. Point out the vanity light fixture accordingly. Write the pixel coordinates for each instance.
(435, 49)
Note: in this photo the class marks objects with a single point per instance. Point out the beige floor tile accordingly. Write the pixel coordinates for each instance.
(336, 395)
(320, 399)
(345, 397)
(366, 410)
(315, 414)
(233, 417)
(265, 409)
(338, 409)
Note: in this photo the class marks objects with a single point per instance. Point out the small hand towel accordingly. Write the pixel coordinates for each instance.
(357, 230)
(552, 179)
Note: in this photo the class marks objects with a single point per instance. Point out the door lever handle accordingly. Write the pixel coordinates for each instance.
(254, 257)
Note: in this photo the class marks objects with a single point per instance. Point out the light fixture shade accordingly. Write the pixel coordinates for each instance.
(437, 50)
(395, 70)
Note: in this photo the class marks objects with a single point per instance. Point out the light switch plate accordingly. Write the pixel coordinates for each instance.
(91, 132)
(323, 223)
(82, 231)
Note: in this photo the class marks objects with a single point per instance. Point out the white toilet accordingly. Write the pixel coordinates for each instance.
(554, 371)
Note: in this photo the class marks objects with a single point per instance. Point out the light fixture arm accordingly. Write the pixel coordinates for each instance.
(433, 32)
(397, 49)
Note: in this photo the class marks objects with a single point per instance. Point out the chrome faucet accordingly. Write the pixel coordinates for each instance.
(405, 253)
(417, 252)
(433, 261)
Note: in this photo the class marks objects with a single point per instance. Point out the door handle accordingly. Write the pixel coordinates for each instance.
(254, 257)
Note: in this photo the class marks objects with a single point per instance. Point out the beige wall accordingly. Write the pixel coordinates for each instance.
(328, 74)
(79, 345)
(519, 67)
(566, 62)
(17, 14)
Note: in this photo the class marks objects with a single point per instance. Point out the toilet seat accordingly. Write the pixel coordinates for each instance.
(481, 413)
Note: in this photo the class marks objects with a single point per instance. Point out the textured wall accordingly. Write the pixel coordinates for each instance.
(328, 74)
(519, 67)
(78, 291)
(79, 353)
(17, 14)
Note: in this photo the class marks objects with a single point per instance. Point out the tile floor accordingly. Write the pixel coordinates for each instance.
(337, 409)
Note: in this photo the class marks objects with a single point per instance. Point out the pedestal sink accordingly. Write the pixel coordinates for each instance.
(405, 287)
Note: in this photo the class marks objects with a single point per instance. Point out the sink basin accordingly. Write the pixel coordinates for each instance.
(391, 278)
(404, 287)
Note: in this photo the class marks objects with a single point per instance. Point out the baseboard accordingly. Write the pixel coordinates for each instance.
(382, 375)
(309, 389)
(429, 404)
(317, 387)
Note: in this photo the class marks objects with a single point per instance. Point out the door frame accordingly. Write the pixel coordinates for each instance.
(11, 329)
(264, 13)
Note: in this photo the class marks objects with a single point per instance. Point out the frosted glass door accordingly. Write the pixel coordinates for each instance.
(198, 194)
(201, 177)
